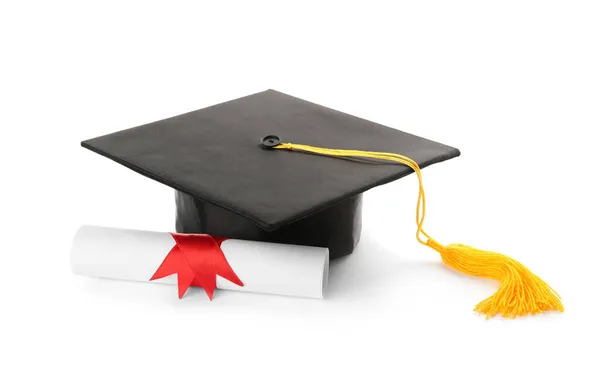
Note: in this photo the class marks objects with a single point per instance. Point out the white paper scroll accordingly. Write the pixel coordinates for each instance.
(263, 267)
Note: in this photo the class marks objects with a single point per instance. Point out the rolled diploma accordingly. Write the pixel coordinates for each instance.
(263, 267)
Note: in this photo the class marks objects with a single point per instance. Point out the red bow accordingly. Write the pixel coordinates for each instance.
(197, 259)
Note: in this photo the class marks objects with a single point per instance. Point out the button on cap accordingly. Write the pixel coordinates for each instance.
(270, 141)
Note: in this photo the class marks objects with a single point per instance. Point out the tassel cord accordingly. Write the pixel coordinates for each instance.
(421, 235)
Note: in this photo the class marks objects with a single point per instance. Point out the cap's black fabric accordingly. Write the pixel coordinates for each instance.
(214, 155)
(337, 227)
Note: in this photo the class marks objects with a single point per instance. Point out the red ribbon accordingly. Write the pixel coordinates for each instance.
(197, 259)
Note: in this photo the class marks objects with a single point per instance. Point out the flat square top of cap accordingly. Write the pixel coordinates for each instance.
(215, 155)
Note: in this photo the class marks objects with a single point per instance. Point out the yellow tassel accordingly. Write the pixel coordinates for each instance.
(521, 292)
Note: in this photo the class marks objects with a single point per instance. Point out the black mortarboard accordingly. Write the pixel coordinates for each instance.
(229, 186)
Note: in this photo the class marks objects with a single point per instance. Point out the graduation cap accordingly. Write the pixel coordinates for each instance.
(237, 174)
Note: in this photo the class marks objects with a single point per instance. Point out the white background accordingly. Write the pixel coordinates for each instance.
(514, 84)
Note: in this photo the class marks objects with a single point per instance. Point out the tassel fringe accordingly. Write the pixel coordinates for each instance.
(521, 292)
